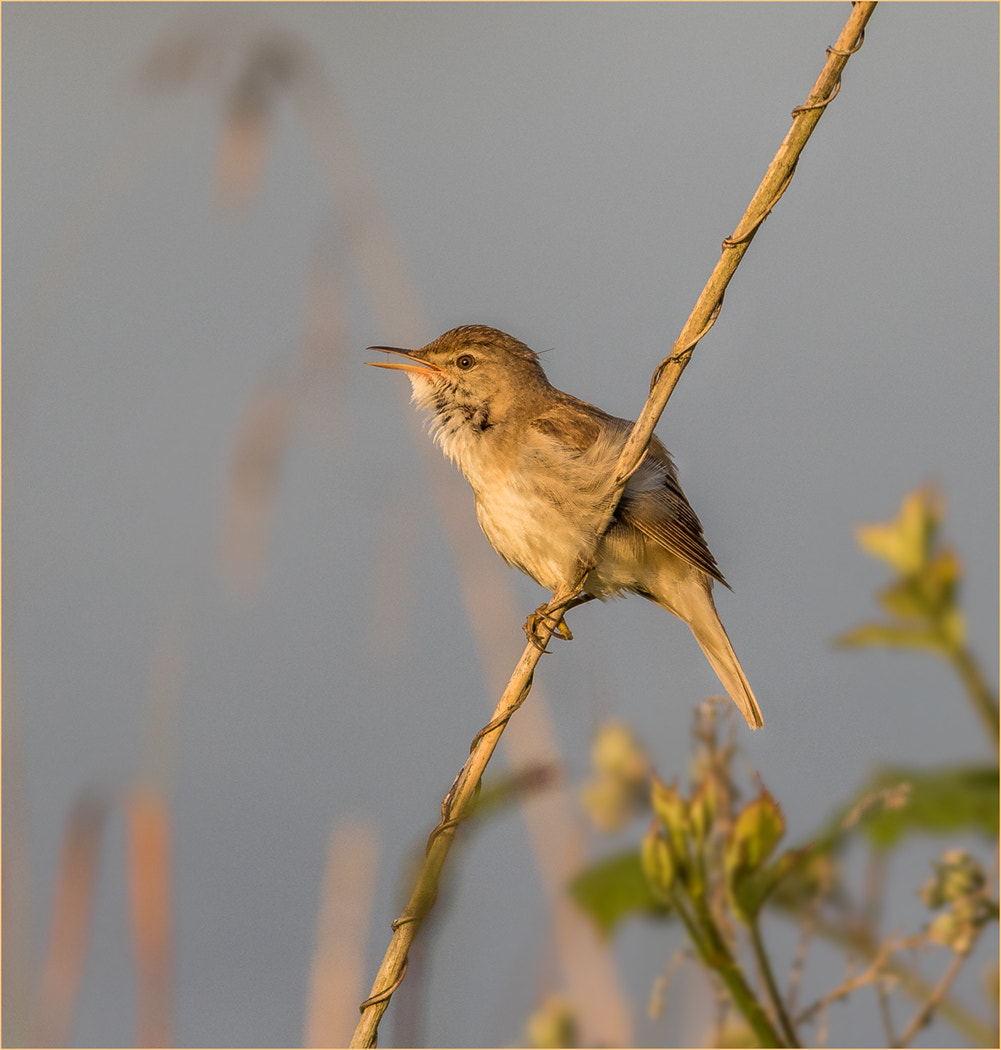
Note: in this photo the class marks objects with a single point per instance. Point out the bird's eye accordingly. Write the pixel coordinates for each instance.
(465, 362)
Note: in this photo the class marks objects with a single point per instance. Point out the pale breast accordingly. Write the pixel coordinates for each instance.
(540, 507)
(539, 502)
(532, 531)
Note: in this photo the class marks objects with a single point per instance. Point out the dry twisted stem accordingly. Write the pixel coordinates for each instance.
(457, 802)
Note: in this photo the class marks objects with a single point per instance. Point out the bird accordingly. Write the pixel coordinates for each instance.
(539, 462)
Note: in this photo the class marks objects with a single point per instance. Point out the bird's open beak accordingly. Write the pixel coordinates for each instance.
(415, 364)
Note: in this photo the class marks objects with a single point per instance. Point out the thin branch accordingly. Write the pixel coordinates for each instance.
(707, 308)
(875, 971)
(931, 1004)
(910, 981)
(885, 1014)
(807, 926)
(655, 1006)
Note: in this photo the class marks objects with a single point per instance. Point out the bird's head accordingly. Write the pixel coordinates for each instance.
(475, 370)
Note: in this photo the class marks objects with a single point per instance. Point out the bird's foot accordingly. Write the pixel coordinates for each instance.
(558, 627)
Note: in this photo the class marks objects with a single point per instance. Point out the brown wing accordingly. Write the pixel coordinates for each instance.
(653, 503)
(572, 423)
(661, 512)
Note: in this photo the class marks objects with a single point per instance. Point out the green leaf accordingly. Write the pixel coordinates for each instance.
(906, 599)
(672, 811)
(615, 888)
(905, 541)
(953, 628)
(702, 811)
(670, 808)
(748, 897)
(756, 831)
(755, 834)
(799, 878)
(892, 636)
(657, 863)
(940, 801)
(940, 578)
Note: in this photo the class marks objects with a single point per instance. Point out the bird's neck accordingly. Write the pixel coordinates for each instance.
(481, 436)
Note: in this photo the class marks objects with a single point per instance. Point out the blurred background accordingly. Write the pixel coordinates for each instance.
(248, 618)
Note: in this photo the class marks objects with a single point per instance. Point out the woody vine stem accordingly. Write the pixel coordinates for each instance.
(457, 802)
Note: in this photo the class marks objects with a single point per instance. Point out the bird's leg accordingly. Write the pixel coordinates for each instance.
(559, 627)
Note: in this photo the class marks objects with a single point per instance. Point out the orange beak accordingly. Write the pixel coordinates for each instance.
(415, 364)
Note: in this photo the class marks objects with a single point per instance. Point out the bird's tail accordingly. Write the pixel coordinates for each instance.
(712, 637)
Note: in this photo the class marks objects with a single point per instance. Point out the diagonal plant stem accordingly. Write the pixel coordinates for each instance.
(712, 949)
(981, 695)
(774, 995)
(454, 809)
(716, 954)
(456, 804)
(931, 1004)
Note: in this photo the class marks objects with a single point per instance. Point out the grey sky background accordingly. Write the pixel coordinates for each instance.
(565, 172)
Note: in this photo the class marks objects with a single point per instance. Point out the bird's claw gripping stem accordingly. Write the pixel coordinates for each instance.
(543, 615)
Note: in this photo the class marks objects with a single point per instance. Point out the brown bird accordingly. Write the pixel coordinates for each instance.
(539, 462)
